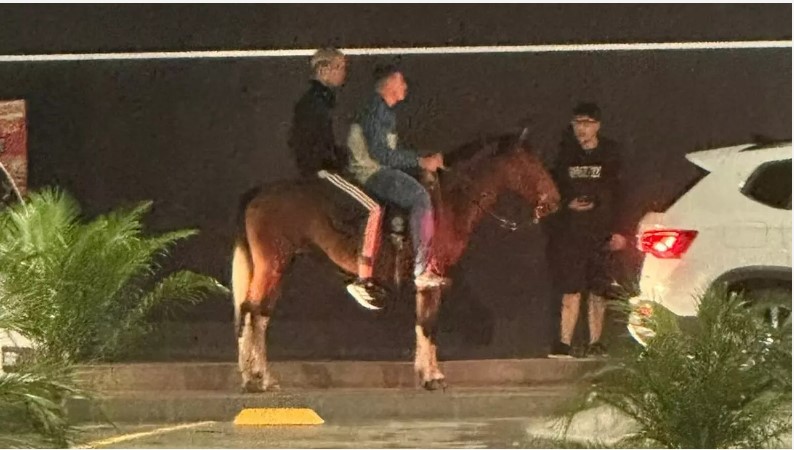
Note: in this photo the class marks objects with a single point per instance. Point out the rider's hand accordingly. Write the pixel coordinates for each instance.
(440, 157)
(431, 163)
(578, 204)
(617, 242)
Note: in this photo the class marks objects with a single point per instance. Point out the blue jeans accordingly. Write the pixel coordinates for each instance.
(399, 188)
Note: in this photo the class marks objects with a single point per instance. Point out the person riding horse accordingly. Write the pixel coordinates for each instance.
(311, 139)
(379, 164)
(277, 221)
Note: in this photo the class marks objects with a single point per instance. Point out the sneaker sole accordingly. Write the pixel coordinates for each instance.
(357, 296)
(560, 356)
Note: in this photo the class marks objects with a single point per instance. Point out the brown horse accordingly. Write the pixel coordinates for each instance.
(279, 220)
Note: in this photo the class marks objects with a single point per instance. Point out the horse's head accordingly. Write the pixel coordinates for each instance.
(483, 169)
(522, 172)
(505, 162)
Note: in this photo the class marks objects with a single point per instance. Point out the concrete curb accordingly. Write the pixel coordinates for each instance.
(337, 390)
(336, 405)
(224, 377)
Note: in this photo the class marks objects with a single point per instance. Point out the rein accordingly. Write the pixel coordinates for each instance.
(504, 222)
(507, 224)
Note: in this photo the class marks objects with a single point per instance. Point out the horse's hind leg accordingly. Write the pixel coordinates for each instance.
(255, 313)
(428, 303)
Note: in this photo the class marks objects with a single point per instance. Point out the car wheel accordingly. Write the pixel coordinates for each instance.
(772, 303)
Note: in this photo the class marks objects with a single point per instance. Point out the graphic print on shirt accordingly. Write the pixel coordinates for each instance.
(584, 171)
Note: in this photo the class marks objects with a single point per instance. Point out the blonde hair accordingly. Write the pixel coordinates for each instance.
(324, 57)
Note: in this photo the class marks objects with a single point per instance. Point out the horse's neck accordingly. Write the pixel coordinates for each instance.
(463, 204)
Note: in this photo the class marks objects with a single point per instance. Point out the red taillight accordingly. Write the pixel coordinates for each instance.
(667, 244)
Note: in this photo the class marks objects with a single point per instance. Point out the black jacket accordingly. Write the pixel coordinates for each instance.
(595, 174)
(311, 136)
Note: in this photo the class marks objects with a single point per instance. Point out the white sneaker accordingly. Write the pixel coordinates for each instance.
(363, 296)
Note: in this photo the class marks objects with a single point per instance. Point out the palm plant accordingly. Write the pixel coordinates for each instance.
(80, 290)
(32, 407)
(724, 383)
(83, 290)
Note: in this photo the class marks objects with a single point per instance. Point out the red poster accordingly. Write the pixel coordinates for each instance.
(13, 146)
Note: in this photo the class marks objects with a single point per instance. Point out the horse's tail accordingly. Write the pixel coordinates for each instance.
(241, 261)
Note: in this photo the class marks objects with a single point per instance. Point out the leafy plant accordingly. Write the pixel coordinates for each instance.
(84, 289)
(726, 382)
(32, 406)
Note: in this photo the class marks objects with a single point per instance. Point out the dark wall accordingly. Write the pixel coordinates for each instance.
(194, 134)
(82, 28)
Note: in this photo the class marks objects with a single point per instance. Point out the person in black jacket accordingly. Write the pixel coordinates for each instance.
(587, 173)
(316, 153)
(311, 136)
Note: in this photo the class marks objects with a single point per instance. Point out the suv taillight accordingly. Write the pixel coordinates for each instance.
(666, 244)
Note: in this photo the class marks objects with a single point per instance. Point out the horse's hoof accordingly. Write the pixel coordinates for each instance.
(256, 386)
(434, 385)
(252, 387)
(271, 386)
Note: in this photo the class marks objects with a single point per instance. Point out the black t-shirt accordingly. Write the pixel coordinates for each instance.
(594, 175)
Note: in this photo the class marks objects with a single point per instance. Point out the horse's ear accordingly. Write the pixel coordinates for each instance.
(524, 136)
(523, 141)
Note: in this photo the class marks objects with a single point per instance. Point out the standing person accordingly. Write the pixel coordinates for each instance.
(587, 173)
(380, 164)
(316, 153)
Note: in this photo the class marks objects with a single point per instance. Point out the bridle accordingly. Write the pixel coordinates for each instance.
(508, 224)
(503, 222)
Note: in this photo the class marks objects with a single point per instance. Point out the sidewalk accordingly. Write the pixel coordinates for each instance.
(347, 390)
(333, 405)
(333, 374)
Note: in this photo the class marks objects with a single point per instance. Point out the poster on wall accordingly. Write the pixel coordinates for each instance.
(13, 151)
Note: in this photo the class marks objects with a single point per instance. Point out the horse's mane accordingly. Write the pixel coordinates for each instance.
(467, 158)
(484, 147)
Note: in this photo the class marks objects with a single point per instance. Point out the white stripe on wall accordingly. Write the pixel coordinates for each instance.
(484, 49)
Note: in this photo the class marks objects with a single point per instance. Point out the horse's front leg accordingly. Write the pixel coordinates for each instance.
(428, 303)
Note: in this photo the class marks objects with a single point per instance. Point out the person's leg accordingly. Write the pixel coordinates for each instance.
(599, 286)
(568, 268)
(569, 316)
(403, 190)
(371, 239)
(596, 311)
(364, 290)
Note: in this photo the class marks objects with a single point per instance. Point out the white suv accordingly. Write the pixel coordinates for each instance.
(733, 226)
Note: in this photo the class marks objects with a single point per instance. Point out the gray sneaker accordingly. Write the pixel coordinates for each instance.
(429, 279)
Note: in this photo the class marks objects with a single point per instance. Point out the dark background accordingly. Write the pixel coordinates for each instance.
(194, 134)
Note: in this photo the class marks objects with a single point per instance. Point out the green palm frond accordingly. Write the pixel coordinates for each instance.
(176, 290)
(32, 407)
(78, 286)
(81, 290)
(725, 383)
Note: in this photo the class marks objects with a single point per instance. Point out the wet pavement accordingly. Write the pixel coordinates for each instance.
(597, 428)
(490, 433)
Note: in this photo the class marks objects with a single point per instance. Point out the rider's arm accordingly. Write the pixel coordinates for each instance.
(377, 126)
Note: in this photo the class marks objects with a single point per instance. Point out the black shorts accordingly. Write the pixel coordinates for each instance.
(579, 263)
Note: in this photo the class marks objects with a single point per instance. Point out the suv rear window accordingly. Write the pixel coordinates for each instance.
(770, 184)
(661, 205)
